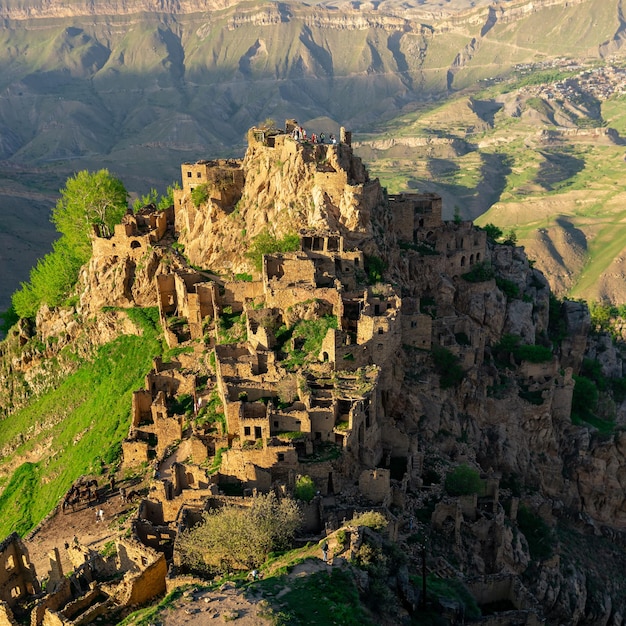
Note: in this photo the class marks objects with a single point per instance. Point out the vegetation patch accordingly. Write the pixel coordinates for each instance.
(85, 418)
(305, 488)
(268, 243)
(232, 538)
(231, 327)
(540, 537)
(511, 346)
(375, 268)
(451, 589)
(87, 200)
(448, 367)
(303, 342)
(317, 599)
(464, 480)
(480, 273)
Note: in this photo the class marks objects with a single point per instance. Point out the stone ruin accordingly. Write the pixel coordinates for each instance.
(97, 585)
(329, 422)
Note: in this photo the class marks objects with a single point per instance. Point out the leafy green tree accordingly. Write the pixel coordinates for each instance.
(463, 480)
(89, 199)
(152, 197)
(493, 232)
(167, 200)
(240, 538)
(510, 238)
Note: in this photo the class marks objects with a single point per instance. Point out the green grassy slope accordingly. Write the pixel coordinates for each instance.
(73, 430)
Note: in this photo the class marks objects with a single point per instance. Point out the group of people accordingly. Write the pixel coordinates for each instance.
(300, 134)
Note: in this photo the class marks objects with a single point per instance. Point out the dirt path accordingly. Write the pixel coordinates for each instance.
(63, 527)
(229, 603)
(220, 607)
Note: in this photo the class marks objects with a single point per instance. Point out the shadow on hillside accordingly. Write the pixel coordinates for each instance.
(557, 168)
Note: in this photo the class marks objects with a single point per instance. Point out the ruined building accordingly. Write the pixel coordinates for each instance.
(369, 346)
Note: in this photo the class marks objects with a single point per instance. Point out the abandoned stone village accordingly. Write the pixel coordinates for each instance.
(246, 406)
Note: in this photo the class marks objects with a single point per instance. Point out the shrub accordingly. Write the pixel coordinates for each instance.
(235, 538)
(463, 480)
(268, 243)
(557, 326)
(508, 288)
(375, 268)
(480, 273)
(584, 398)
(493, 232)
(199, 195)
(447, 366)
(371, 519)
(539, 536)
(305, 489)
(510, 238)
(511, 344)
(533, 354)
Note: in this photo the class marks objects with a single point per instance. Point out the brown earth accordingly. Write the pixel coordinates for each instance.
(60, 528)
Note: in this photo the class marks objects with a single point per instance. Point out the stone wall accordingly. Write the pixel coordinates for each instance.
(146, 571)
(414, 215)
(18, 579)
(375, 485)
(134, 452)
(131, 238)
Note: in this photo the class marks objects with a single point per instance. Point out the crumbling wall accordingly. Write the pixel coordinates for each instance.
(140, 410)
(375, 485)
(17, 575)
(146, 571)
(134, 452)
(235, 293)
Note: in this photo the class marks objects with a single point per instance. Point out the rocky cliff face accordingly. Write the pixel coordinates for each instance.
(517, 354)
(294, 186)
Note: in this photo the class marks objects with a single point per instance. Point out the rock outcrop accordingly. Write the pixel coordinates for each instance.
(439, 349)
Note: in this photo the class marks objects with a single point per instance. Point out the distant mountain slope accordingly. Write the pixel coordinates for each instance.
(124, 85)
(541, 153)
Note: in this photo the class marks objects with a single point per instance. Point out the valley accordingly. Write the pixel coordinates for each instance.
(540, 153)
(137, 90)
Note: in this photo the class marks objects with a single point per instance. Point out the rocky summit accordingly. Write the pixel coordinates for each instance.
(319, 329)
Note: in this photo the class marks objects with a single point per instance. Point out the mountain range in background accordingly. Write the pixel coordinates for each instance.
(450, 97)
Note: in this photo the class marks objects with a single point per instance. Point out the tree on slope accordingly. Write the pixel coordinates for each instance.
(88, 199)
(240, 538)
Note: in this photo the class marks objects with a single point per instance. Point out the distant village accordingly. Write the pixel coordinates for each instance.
(600, 83)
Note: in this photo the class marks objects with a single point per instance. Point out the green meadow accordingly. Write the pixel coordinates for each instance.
(73, 430)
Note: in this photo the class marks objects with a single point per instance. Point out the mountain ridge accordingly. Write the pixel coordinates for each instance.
(434, 351)
(86, 93)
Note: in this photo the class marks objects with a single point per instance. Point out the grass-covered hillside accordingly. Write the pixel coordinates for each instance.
(75, 429)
